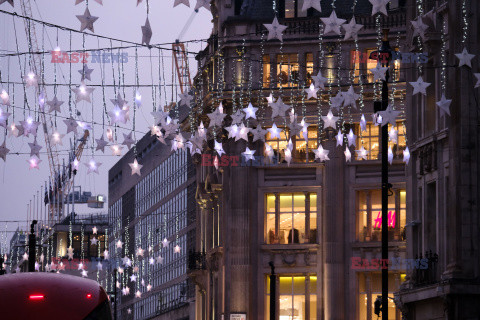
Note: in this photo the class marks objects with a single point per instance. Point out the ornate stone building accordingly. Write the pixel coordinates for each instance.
(309, 218)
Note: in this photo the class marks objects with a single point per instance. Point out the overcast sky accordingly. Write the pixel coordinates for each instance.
(119, 19)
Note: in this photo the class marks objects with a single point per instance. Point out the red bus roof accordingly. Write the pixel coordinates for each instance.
(41, 295)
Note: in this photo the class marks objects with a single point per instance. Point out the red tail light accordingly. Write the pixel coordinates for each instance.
(36, 297)
(89, 296)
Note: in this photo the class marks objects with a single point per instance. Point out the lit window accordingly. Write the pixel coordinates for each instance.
(293, 9)
(309, 69)
(331, 68)
(287, 70)
(366, 293)
(369, 215)
(369, 140)
(266, 71)
(371, 64)
(278, 145)
(291, 221)
(355, 58)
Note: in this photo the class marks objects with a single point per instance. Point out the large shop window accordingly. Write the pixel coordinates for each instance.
(302, 150)
(287, 70)
(369, 287)
(369, 215)
(297, 297)
(291, 218)
(370, 140)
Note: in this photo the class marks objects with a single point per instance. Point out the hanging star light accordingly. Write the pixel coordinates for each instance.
(465, 59)
(393, 135)
(295, 129)
(41, 101)
(337, 100)
(9, 1)
(216, 117)
(5, 97)
(13, 130)
(178, 142)
(70, 253)
(165, 243)
(4, 151)
(149, 287)
(339, 138)
(140, 252)
(269, 152)
(119, 244)
(25, 256)
(203, 3)
(176, 249)
(185, 99)
(315, 4)
(31, 79)
(250, 112)
(86, 20)
(4, 117)
(348, 155)
(248, 154)
(378, 72)
(127, 140)
(362, 153)
(390, 155)
(288, 155)
(101, 144)
(110, 134)
(274, 132)
(377, 119)
(37, 266)
(53, 266)
(311, 92)
(99, 266)
(118, 101)
(126, 261)
(30, 126)
(151, 261)
(94, 241)
(85, 72)
(61, 266)
(159, 260)
(106, 255)
(279, 108)
(80, 266)
(275, 30)
(94, 230)
(363, 123)
(242, 133)
(35, 148)
(319, 80)
(332, 24)
(379, 6)
(304, 129)
(82, 92)
(258, 133)
(92, 166)
(352, 29)
(352, 138)
(185, 2)
(120, 270)
(116, 149)
(444, 105)
(138, 99)
(389, 116)
(237, 117)
(138, 294)
(330, 120)
(34, 162)
(419, 86)
(218, 148)
(84, 273)
(419, 28)
(117, 115)
(146, 32)
(232, 131)
(136, 167)
(54, 105)
(321, 153)
(406, 155)
(84, 125)
(350, 98)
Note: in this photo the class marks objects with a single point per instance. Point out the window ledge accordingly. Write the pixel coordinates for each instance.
(290, 247)
(374, 244)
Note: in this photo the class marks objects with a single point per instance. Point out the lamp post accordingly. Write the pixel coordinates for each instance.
(32, 243)
(273, 294)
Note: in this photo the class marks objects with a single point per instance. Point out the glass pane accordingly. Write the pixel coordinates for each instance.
(285, 228)
(271, 203)
(299, 307)
(299, 202)
(362, 306)
(313, 202)
(268, 285)
(289, 8)
(313, 285)
(298, 234)
(285, 203)
(286, 307)
(299, 285)
(285, 285)
(270, 228)
(313, 307)
(313, 228)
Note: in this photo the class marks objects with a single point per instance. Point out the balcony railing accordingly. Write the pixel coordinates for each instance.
(196, 261)
(427, 275)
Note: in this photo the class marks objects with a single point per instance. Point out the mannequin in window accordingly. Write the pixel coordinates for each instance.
(293, 237)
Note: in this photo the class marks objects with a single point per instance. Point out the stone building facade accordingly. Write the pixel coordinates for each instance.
(312, 219)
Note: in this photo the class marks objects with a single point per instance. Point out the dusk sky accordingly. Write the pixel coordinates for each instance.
(117, 19)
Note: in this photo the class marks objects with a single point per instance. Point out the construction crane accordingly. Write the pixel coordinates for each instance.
(62, 177)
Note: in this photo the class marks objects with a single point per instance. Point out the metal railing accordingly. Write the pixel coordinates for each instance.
(429, 274)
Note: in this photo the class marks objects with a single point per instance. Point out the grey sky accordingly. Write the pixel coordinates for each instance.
(119, 19)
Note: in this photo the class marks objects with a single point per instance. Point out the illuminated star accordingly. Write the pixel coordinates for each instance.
(379, 6)
(117, 115)
(352, 29)
(258, 133)
(389, 115)
(31, 79)
(295, 129)
(94, 241)
(378, 72)
(25, 256)
(348, 155)
(350, 98)
(275, 30)
(390, 155)
(106, 255)
(92, 166)
(242, 133)
(319, 80)
(232, 131)
(151, 260)
(13, 130)
(120, 270)
(146, 33)
(363, 123)
(352, 138)
(249, 154)
(330, 120)
(87, 20)
(216, 117)
(165, 243)
(99, 266)
(159, 259)
(315, 4)
(135, 166)
(34, 162)
(237, 117)
(70, 253)
(127, 140)
(30, 126)
(362, 153)
(465, 59)
(84, 273)
(133, 278)
(203, 3)
(4, 151)
(419, 86)
(82, 92)
(140, 252)
(406, 155)
(250, 111)
(37, 266)
(9, 1)
(288, 155)
(80, 266)
(35, 148)
(393, 135)
(138, 294)
(321, 153)
(85, 72)
(311, 92)
(337, 101)
(4, 96)
(129, 311)
(419, 28)
(218, 148)
(274, 132)
(126, 261)
(54, 105)
(444, 104)
(339, 137)
(149, 287)
(185, 99)
(332, 23)
(176, 249)
(118, 101)
(119, 244)
(185, 2)
(279, 108)
(101, 144)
